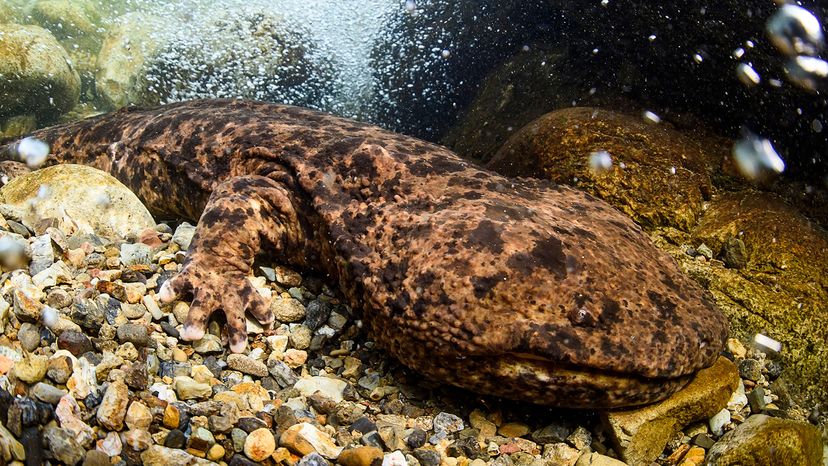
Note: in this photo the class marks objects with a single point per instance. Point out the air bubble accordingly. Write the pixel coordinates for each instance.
(795, 31)
(32, 151)
(600, 161)
(651, 117)
(756, 159)
(806, 72)
(747, 75)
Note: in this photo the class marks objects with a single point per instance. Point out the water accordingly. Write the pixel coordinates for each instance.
(341, 35)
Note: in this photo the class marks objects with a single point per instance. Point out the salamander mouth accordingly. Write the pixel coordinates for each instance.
(575, 387)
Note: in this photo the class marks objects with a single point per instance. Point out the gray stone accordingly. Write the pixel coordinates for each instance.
(63, 445)
(28, 336)
(136, 334)
(750, 369)
(43, 256)
(136, 254)
(157, 455)
(47, 393)
(247, 365)
(183, 235)
(283, 374)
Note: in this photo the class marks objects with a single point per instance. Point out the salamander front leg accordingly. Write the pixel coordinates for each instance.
(243, 215)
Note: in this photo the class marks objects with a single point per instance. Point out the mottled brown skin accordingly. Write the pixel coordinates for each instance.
(513, 287)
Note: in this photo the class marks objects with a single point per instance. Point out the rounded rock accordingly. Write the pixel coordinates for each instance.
(38, 75)
(76, 191)
(259, 444)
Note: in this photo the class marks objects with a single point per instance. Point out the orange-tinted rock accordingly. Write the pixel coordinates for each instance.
(658, 177)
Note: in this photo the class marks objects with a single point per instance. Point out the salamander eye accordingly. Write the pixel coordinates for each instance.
(582, 316)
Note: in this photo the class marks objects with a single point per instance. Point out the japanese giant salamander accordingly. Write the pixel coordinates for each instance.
(513, 287)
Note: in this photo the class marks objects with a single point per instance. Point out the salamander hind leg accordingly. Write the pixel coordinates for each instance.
(243, 215)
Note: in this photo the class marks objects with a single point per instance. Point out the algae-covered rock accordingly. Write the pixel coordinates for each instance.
(88, 199)
(781, 291)
(38, 76)
(129, 43)
(658, 176)
(7, 14)
(641, 434)
(75, 23)
(765, 440)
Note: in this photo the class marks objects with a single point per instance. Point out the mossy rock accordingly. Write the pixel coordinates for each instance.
(38, 76)
(659, 176)
(75, 23)
(764, 440)
(781, 291)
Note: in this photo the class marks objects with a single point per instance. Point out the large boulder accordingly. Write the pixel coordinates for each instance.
(781, 287)
(252, 54)
(429, 60)
(130, 42)
(763, 440)
(658, 176)
(536, 80)
(82, 198)
(75, 23)
(687, 53)
(38, 76)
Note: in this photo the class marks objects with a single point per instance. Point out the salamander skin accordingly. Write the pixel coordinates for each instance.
(512, 287)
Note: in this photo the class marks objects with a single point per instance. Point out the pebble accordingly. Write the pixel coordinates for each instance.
(136, 334)
(183, 235)
(29, 336)
(444, 424)
(75, 342)
(138, 439)
(360, 456)
(718, 421)
(58, 298)
(208, 345)
(295, 358)
(287, 310)
(113, 407)
(513, 429)
(175, 439)
(111, 444)
(304, 438)
(259, 444)
(329, 387)
(215, 453)
(157, 455)
(96, 458)
(138, 416)
(188, 389)
(31, 369)
(750, 369)
(63, 445)
(47, 393)
(247, 365)
(300, 337)
(135, 254)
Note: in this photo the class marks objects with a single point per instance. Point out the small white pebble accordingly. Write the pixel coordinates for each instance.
(767, 342)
